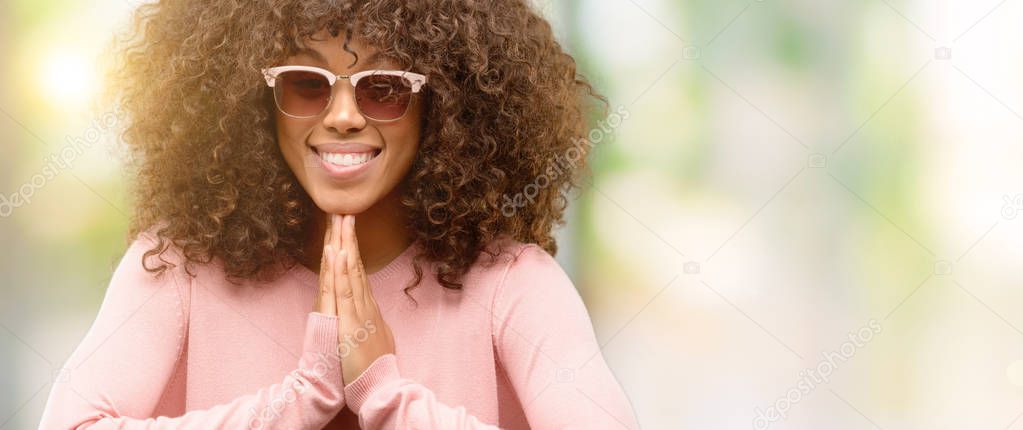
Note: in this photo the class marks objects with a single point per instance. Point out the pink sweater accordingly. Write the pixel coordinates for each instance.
(514, 349)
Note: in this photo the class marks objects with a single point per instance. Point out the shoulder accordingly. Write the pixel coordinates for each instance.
(507, 257)
(535, 297)
(163, 294)
(526, 271)
(166, 256)
(150, 263)
(147, 251)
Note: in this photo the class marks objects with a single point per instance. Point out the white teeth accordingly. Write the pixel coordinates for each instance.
(348, 159)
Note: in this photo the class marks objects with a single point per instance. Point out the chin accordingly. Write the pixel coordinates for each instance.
(342, 202)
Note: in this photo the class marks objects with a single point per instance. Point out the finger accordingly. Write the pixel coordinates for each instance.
(326, 300)
(355, 268)
(358, 256)
(326, 241)
(327, 226)
(335, 245)
(343, 289)
(367, 289)
(328, 297)
(335, 231)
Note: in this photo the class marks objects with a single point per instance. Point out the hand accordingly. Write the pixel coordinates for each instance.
(363, 334)
(326, 300)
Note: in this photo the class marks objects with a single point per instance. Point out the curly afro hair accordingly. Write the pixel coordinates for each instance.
(505, 102)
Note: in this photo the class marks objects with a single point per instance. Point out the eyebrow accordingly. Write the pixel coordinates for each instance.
(374, 60)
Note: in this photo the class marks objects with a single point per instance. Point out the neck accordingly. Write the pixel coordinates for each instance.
(380, 230)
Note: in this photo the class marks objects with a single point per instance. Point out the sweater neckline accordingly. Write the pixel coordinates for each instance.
(396, 266)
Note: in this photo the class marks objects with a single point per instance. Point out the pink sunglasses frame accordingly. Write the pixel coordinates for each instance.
(417, 82)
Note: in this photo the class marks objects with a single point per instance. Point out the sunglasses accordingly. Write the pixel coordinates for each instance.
(306, 92)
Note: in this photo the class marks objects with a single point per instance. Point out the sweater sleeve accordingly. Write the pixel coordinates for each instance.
(116, 376)
(545, 341)
(384, 400)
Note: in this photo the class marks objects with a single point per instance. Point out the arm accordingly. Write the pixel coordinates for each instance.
(546, 344)
(115, 378)
(543, 337)
(384, 400)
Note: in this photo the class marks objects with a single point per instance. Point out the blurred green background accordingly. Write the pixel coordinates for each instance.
(786, 173)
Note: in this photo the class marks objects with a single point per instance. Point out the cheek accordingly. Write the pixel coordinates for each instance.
(291, 140)
(406, 138)
(403, 142)
(290, 132)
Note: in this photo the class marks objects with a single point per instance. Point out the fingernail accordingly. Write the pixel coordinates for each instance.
(352, 217)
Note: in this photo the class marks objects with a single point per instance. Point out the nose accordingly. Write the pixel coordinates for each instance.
(343, 114)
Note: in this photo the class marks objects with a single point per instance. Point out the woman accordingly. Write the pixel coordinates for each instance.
(251, 298)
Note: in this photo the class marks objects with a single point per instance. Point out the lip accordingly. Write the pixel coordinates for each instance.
(344, 147)
(345, 172)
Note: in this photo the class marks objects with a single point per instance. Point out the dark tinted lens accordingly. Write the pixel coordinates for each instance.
(302, 93)
(383, 97)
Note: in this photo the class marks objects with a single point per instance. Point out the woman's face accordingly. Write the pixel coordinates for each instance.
(338, 185)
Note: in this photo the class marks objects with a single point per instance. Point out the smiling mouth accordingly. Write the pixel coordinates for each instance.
(347, 159)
